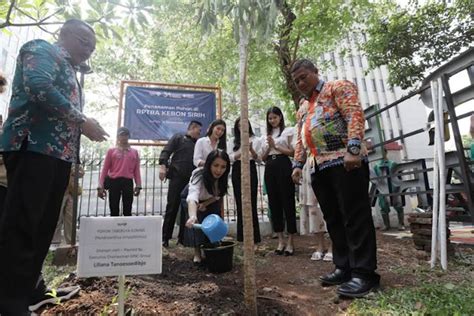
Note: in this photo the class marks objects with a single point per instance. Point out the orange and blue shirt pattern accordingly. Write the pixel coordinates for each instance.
(331, 118)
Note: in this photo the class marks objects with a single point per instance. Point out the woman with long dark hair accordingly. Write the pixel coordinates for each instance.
(206, 188)
(281, 190)
(235, 156)
(215, 139)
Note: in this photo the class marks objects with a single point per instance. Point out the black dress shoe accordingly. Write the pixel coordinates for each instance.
(166, 244)
(357, 287)
(280, 252)
(289, 253)
(338, 276)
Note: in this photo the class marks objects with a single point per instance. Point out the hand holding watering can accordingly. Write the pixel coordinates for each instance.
(213, 227)
(201, 207)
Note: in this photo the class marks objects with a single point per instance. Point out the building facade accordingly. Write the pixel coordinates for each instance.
(10, 44)
(348, 62)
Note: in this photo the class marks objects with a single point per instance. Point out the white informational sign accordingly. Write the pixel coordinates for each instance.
(112, 246)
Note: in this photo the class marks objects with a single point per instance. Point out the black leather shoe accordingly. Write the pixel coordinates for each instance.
(289, 253)
(166, 244)
(280, 251)
(357, 287)
(338, 276)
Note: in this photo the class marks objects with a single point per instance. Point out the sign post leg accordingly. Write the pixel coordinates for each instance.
(121, 295)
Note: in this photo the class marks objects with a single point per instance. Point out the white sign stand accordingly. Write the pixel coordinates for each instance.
(121, 295)
(119, 246)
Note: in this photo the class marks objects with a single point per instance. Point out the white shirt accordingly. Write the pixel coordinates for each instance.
(256, 143)
(197, 191)
(285, 140)
(202, 149)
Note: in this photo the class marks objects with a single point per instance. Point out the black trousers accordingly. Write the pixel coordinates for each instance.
(237, 185)
(281, 193)
(344, 200)
(3, 195)
(36, 186)
(175, 187)
(121, 187)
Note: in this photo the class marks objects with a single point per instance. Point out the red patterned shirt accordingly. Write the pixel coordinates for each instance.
(327, 121)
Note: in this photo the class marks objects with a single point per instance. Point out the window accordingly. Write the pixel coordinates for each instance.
(351, 60)
(374, 86)
(382, 85)
(341, 60)
(359, 57)
(364, 84)
(4, 59)
(354, 80)
(333, 58)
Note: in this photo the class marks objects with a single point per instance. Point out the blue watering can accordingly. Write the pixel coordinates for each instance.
(213, 227)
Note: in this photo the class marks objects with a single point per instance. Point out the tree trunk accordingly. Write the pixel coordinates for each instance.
(250, 291)
(283, 50)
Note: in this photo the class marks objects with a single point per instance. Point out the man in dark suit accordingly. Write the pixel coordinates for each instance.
(176, 164)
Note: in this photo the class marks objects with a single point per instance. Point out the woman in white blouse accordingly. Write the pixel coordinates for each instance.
(235, 155)
(206, 188)
(280, 187)
(215, 139)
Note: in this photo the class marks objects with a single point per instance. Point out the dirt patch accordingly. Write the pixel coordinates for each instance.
(286, 285)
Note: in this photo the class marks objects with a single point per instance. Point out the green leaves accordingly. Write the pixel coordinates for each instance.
(415, 40)
(111, 19)
(429, 299)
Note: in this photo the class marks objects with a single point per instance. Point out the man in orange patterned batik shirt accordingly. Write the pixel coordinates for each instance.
(330, 134)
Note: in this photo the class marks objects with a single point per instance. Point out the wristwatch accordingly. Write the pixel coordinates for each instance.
(353, 150)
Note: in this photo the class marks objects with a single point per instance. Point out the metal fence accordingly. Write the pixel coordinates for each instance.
(153, 196)
(411, 177)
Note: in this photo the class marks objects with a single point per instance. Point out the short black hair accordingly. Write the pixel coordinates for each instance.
(194, 123)
(303, 63)
(72, 24)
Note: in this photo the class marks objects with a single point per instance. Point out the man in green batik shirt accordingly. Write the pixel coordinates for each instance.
(39, 143)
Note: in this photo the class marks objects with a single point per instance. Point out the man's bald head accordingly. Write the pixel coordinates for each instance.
(78, 38)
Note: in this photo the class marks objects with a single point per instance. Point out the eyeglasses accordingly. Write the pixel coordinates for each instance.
(85, 42)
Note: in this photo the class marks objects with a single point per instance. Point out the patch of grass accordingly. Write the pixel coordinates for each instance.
(430, 299)
(54, 275)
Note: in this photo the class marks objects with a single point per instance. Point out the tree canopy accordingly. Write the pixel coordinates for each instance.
(110, 18)
(413, 40)
(162, 41)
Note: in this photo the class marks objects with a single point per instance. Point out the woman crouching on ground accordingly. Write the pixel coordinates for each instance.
(206, 188)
